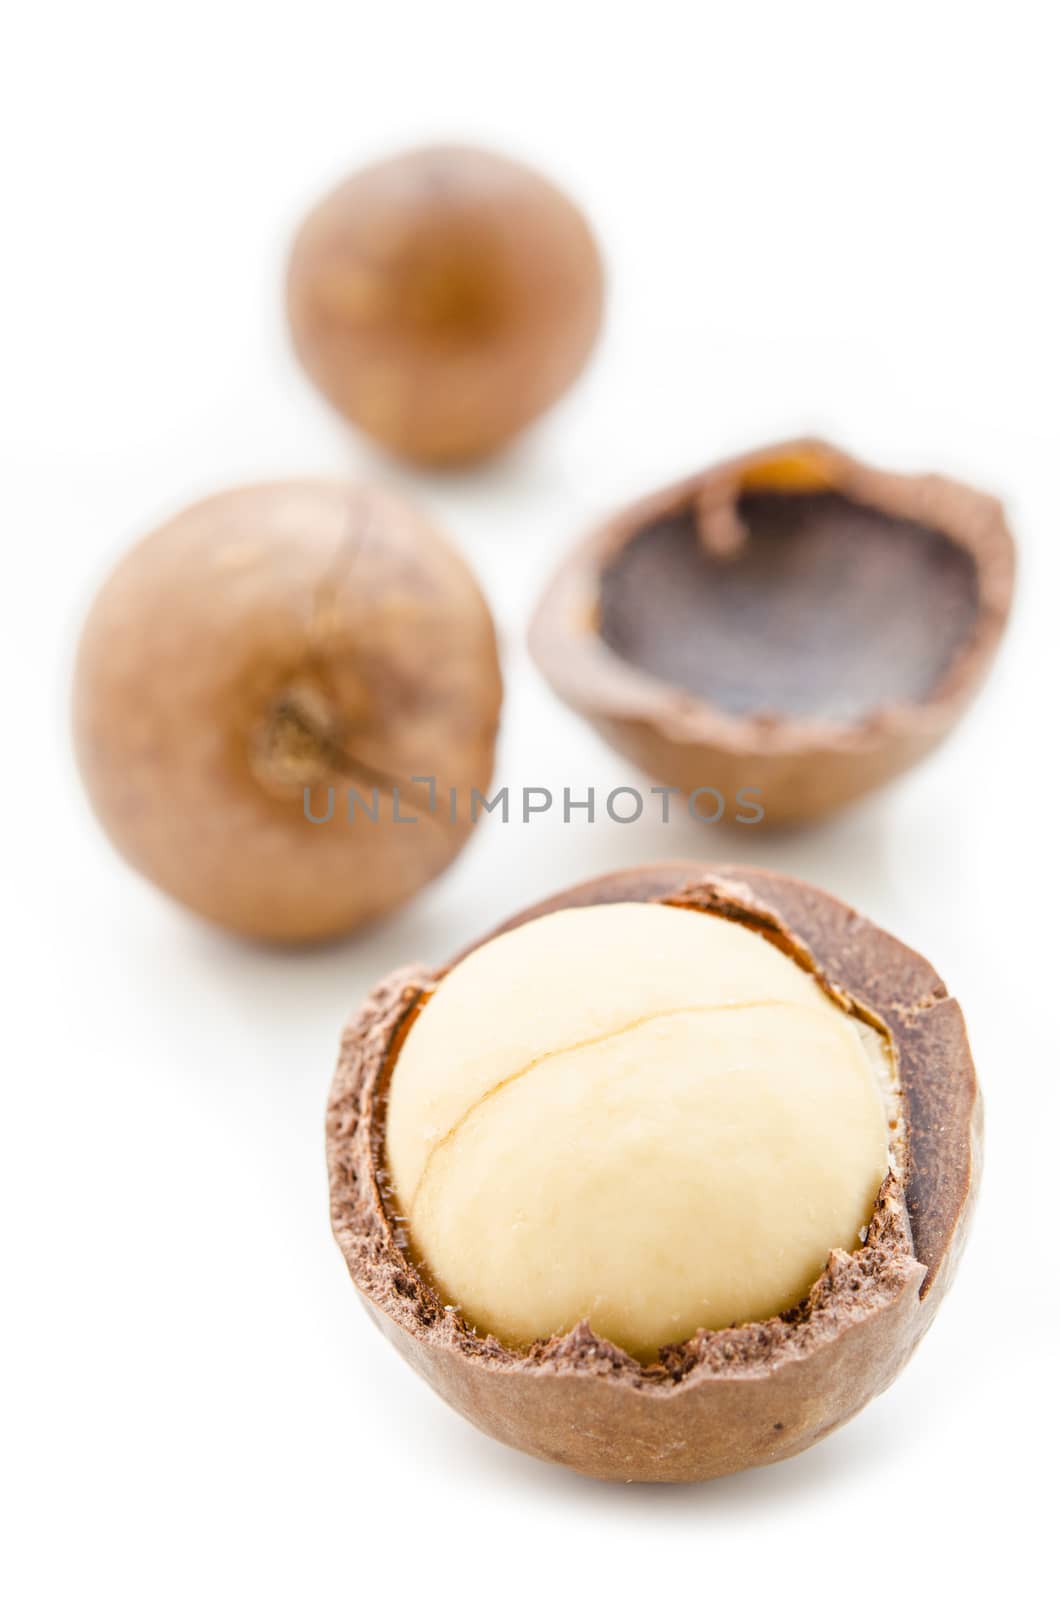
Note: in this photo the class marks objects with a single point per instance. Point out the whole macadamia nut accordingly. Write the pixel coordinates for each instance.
(443, 299)
(275, 693)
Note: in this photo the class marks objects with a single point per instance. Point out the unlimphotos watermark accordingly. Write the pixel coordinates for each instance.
(405, 803)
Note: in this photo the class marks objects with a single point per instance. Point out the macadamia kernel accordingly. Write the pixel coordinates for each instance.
(647, 1117)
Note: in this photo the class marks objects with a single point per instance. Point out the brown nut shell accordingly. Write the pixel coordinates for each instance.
(260, 660)
(443, 299)
(790, 621)
(742, 1396)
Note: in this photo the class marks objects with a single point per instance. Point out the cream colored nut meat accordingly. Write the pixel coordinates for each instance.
(647, 1117)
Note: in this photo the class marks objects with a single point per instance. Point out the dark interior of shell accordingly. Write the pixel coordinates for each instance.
(817, 607)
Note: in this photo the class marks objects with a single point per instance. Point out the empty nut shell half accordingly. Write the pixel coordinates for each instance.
(791, 621)
(742, 1396)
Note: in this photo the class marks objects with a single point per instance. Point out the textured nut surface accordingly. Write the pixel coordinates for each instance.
(443, 299)
(736, 1397)
(635, 1116)
(266, 641)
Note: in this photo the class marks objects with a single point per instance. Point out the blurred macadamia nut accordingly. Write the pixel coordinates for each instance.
(443, 299)
(263, 689)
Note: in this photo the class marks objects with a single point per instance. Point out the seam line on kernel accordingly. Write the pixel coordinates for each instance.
(587, 1044)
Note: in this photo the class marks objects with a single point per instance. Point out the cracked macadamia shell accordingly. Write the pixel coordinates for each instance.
(276, 654)
(734, 1396)
(443, 299)
(791, 623)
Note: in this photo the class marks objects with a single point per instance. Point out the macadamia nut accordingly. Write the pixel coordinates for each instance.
(643, 1116)
(444, 298)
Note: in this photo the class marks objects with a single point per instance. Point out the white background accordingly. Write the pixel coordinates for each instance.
(839, 218)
